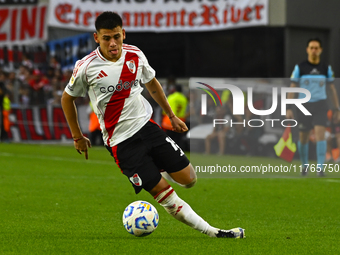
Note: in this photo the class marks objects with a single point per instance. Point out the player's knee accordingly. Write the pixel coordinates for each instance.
(193, 178)
(191, 184)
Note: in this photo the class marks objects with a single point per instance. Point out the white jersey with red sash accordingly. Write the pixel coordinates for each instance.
(115, 92)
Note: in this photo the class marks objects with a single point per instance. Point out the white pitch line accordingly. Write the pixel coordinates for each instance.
(5, 154)
(332, 180)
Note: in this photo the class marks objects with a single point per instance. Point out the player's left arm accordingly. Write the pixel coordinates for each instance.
(333, 94)
(335, 102)
(156, 91)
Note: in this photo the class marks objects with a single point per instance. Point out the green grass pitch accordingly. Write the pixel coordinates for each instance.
(53, 201)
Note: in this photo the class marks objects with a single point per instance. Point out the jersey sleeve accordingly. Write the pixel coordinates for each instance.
(330, 74)
(295, 77)
(77, 85)
(148, 72)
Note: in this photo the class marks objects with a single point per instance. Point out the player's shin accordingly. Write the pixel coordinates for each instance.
(181, 211)
(303, 151)
(321, 148)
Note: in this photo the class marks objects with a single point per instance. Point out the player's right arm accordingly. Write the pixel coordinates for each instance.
(75, 88)
(295, 79)
(81, 143)
(290, 95)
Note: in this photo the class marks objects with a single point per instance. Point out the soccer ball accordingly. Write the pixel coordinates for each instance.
(140, 218)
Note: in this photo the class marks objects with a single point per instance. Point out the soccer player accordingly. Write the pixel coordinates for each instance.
(111, 75)
(315, 76)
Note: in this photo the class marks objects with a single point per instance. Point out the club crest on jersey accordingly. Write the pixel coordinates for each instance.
(136, 180)
(131, 65)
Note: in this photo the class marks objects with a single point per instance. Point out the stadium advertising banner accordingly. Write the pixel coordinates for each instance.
(42, 124)
(70, 49)
(23, 24)
(161, 15)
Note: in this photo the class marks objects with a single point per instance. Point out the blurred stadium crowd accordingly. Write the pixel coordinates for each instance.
(31, 85)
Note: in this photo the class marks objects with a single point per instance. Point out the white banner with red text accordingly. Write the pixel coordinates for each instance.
(161, 15)
(23, 24)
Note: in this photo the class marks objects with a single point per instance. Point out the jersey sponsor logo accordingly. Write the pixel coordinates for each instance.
(315, 71)
(136, 180)
(101, 74)
(131, 65)
(119, 87)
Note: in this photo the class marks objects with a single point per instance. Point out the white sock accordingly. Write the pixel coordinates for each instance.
(181, 211)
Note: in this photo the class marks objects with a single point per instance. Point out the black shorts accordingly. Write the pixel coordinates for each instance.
(142, 156)
(318, 110)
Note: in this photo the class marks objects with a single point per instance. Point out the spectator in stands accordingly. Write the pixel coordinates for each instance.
(13, 85)
(58, 74)
(250, 135)
(23, 74)
(54, 63)
(54, 95)
(24, 95)
(66, 76)
(219, 132)
(94, 128)
(170, 85)
(26, 61)
(37, 84)
(157, 110)
(225, 132)
(193, 111)
(3, 77)
(211, 111)
(178, 103)
(333, 139)
(5, 106)
(50, 73)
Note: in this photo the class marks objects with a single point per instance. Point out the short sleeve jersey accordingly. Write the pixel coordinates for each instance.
(314, 78)
(115, 92)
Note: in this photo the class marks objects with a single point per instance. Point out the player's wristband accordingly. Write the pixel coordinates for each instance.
(78, 139)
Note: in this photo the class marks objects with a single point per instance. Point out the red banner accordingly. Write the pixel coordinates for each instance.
(38, 124)
(23, 24)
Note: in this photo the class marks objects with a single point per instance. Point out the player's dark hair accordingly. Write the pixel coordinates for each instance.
(179, 88)
(108, 20)
(316, 39)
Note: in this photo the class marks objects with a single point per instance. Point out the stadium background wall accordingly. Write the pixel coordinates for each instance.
(270, 51)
